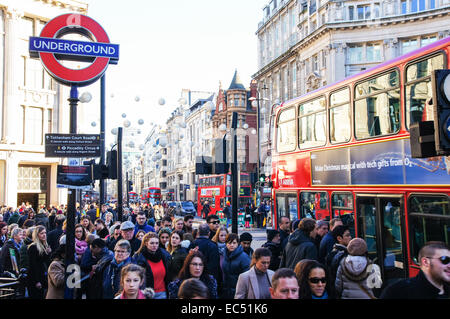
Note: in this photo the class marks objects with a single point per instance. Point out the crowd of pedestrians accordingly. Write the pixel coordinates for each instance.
(152, 254)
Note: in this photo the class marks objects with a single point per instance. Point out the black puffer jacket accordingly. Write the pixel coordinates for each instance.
(300, 246)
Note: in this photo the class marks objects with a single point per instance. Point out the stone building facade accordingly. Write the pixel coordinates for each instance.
(32, 104)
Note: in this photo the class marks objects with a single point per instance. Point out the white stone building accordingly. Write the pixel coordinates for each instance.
(303, 45)
(32, 104)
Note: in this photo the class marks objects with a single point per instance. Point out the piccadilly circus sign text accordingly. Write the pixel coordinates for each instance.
(50, 48)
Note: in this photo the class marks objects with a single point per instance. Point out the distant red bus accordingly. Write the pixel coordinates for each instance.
(344, 151)
(216, 190)
(151, 195)
(133, 197)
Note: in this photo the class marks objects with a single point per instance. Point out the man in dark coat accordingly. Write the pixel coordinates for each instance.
(210, 250)
(433, 280)
(300, 244)
(42, 218)
(284, 224)
(55, 234)
(328, 241)
(92, 213)
(273, 244)
(127, 233)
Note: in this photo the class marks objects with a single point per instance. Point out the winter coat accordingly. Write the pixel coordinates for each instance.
(142, 261)
(24, 263)
(56, 286)
(414, 288)
(5, 256)
(94, 285)
(38, 266)
(234, 264)
(284, 237)
(352, 274)
(326, 245)
(210, 250)
(300, 246)
(247, 286)
(177, 261)
(111, 278)
(14, 218)
(275, 249)
(145, 227)
(53, 238)
(42, 219)
(211, 284)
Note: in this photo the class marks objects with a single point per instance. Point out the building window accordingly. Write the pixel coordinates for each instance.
(324, 59)
(355, 54)
(413, 5)
(363, 12)
(26, 28)
(33, 125)
(294, 80)
(312, 6)
(427, 40)
(351, 10)
(432, 4)
(376, 10)
(403, 6)
(315, 63)
(409, 45)
(49, 121)
(373, 53)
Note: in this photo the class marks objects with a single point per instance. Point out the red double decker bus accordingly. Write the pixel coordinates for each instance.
(216, 190)
(151, 195)
(344, 151)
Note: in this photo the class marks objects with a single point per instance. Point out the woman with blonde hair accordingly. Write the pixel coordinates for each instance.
(177, 224)
(39, 260)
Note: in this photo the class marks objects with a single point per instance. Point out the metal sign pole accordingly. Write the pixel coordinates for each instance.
(234, 176)
(71, 205)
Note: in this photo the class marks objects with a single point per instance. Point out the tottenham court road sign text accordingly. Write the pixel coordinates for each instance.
(72, 145)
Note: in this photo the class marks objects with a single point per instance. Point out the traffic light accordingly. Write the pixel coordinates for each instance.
(130, 186)
(111, 163)
(262, 178)
(220, 166)
(441, 99)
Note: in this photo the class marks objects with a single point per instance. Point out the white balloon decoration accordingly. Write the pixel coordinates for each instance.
(161, 101)
(253, 131)
(137, 98)
(141, 147)
(126, 123)
(93, 124)
(114, 131)
(131, 144)
(124, 115)
(86, 97)
(245, 126)
(141, 121)
(222, 127)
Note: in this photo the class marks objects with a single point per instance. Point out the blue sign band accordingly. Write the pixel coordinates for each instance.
(74, 48)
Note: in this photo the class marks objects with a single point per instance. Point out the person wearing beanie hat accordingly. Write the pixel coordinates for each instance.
(246, 242)
(274, 245)
(355, 272)
(357, 247)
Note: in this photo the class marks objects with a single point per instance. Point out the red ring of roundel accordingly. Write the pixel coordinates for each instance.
(60, 72)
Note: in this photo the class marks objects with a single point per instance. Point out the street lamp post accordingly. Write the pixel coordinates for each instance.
(258, 125)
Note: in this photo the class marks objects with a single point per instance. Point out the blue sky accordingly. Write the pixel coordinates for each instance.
(166, 46)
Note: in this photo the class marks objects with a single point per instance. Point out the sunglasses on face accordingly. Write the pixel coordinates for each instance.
(315, 280)
(214, 222)
(443, 259)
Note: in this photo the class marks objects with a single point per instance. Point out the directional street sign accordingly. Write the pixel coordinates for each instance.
(72, 145)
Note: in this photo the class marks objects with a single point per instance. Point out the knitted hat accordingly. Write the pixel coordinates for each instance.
(357, 247)
(165, 230)
(271, 233)
(245, 237)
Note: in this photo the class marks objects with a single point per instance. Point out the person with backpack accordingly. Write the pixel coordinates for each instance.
(342, 236)
(355, 272)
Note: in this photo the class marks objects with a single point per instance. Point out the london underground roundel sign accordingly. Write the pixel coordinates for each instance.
(50, 48)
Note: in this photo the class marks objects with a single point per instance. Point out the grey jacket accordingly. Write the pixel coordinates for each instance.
(247, 285)
(353, 273)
